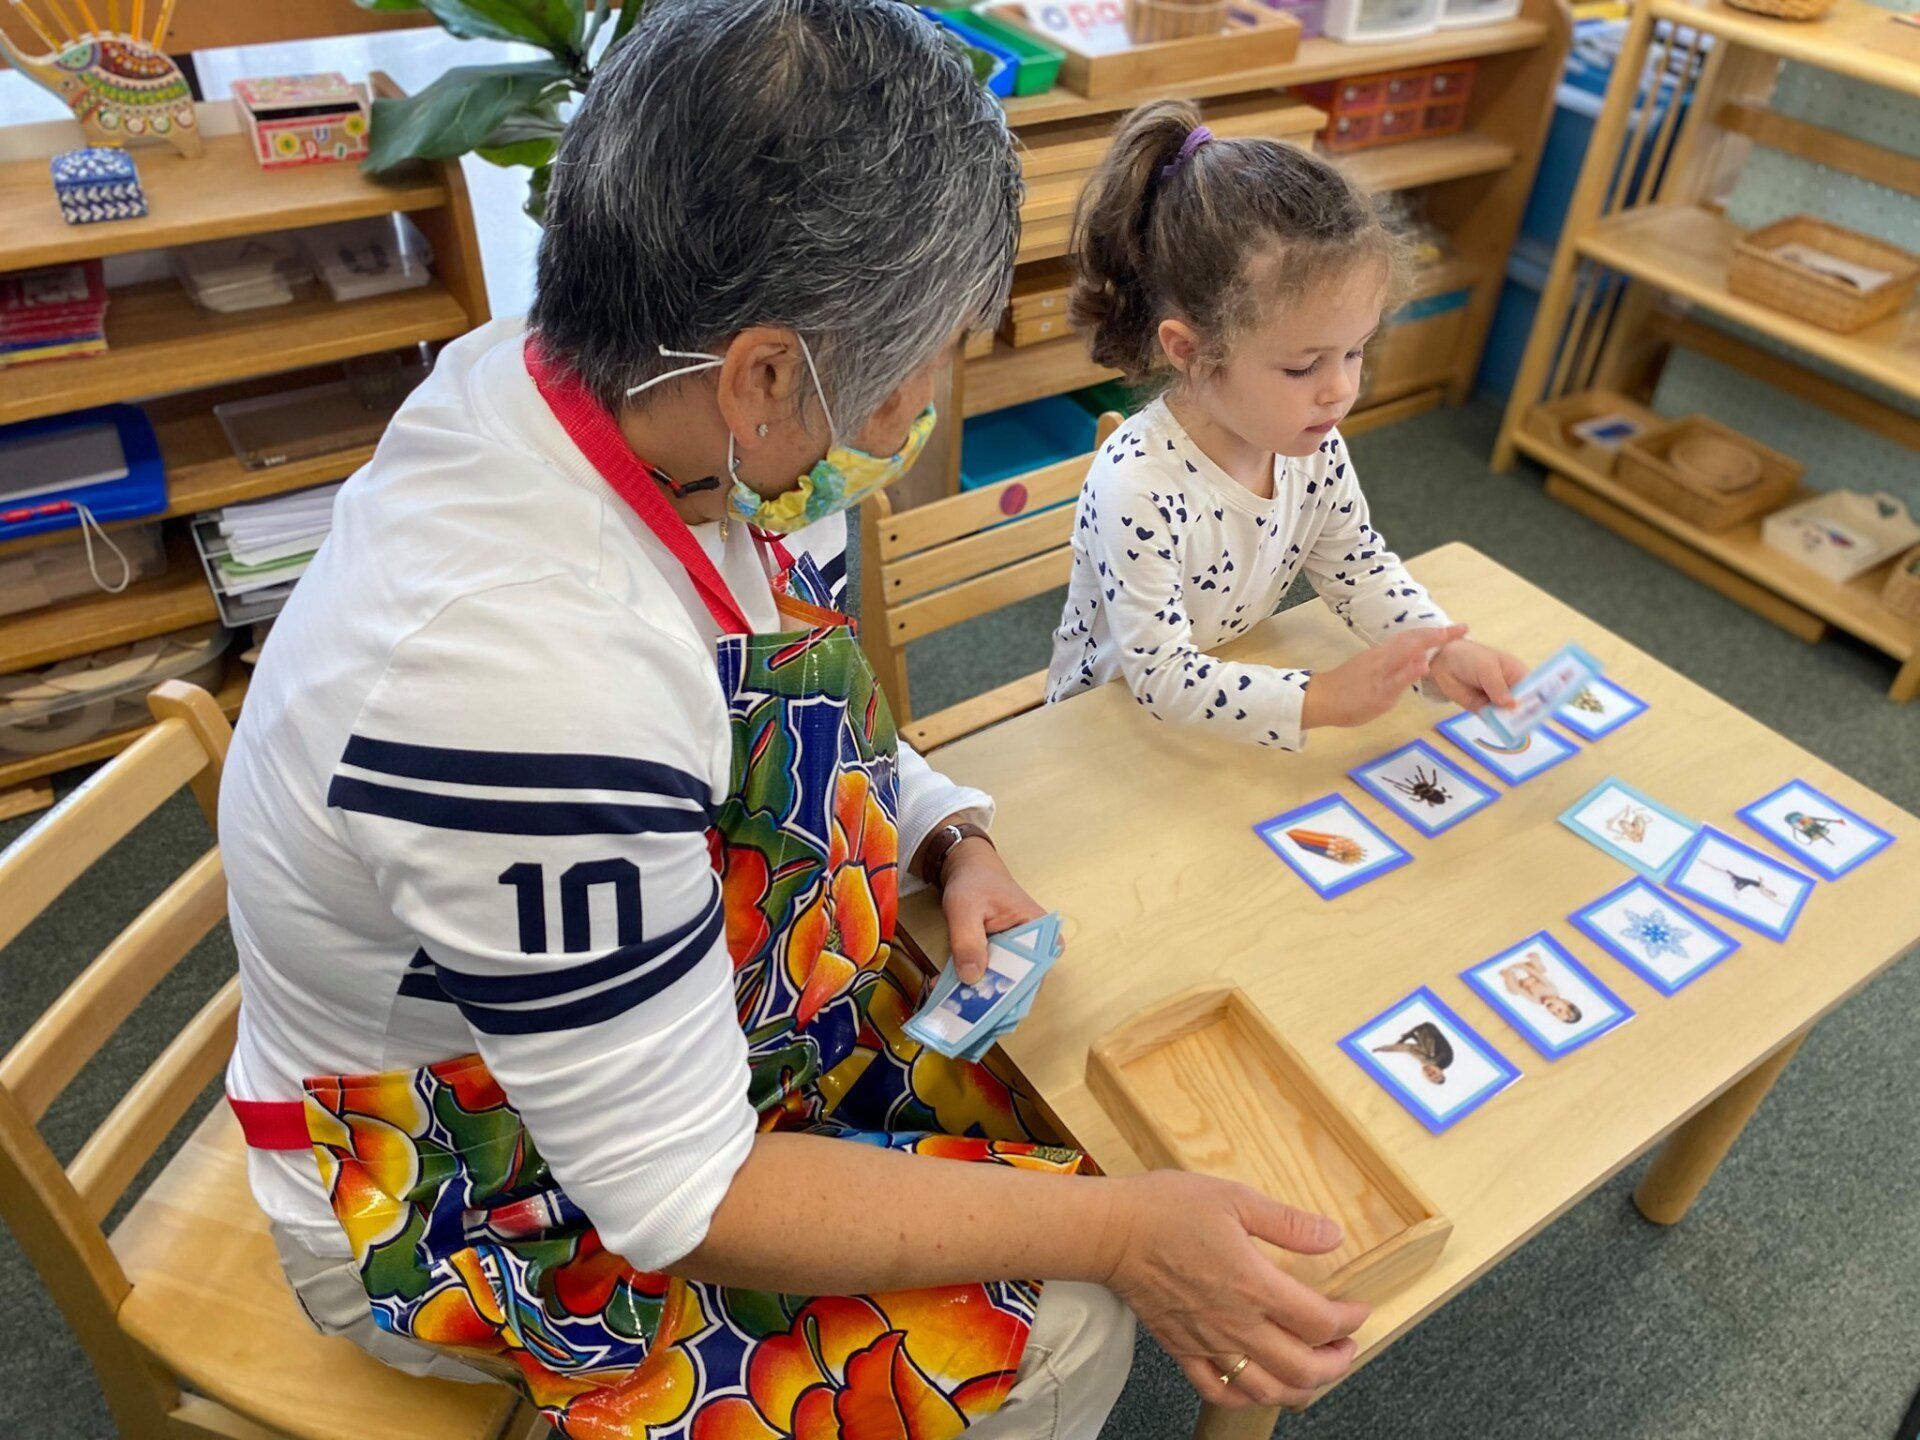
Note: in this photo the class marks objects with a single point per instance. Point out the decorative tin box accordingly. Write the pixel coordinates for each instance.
(302, 119)
(97, 183)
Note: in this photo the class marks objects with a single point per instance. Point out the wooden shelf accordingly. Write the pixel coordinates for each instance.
(1684, 249)
(1854, 38)
(177, 600)
(1426, 162)
(222, 194)
(1012, 377)
(159, 342)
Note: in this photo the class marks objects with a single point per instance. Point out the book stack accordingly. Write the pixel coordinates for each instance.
(254, 553)
(53, 313)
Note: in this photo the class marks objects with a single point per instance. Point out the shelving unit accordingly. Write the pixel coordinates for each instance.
(1642, 269)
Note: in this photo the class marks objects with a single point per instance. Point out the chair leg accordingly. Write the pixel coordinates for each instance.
(1693, 1152)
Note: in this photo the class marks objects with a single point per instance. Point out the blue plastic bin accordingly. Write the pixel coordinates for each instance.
(1020, 438)
(1006, 64)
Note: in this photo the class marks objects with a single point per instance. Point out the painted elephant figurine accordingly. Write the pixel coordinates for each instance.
(121, 90)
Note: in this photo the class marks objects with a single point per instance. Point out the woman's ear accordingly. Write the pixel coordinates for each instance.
(1180, 342)
(763, 385)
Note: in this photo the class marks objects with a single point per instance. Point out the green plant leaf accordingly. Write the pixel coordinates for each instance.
(388, 5)
(536, 201)
(555, 25)
(459, 111)
(630, 11)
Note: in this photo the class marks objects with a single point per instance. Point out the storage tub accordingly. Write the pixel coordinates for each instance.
(77, 700)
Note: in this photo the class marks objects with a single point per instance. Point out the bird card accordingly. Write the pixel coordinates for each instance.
(1509, 760)
(1429, 1060)
(1816, 830)
(1554, 1001)
(1739, 882)
(1427, 790)
(1654, 935)
(1634, 829)
(1331, 846)
(1553, 682)
(1598, 708)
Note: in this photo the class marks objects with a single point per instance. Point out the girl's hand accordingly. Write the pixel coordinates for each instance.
(980, 898)
(1188, 1266)
(1373, 682)
(1475, 676)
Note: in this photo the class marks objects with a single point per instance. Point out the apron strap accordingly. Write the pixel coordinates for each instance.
(590, 427)
(272, 1124)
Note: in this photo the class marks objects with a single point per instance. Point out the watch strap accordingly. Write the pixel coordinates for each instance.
(939, 845)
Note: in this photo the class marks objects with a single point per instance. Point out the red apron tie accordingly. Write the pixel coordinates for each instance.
(272, 1124)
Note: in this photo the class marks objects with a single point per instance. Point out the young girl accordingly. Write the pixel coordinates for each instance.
(1243, 278)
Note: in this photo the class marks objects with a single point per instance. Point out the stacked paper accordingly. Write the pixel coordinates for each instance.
(255, 552)
(53, 313)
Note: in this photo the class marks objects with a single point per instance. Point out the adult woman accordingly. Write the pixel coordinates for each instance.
(537, 690)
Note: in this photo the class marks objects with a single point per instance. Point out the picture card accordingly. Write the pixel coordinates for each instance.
(1633, 828)
(1598, 708)
(954, 1011)
(1654, 935)
(1739, 882)
(1511, 761)
(1815, 829)
(1554, 1001)
(1610, 430)
(1428, 1059)
(1551, 684)
(1331, 845)
(1423, 787)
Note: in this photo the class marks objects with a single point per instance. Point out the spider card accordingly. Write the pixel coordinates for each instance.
(1423, 787)
(1511, 761)
(1820, 833)
(1553, 682)
(1331, 846)
(1630, 827)
(1741, 883)
(1653, 935)
(1426, 1058)
(1599, 708)
(1553, 1000)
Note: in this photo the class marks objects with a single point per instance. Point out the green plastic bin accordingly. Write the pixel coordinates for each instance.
(1039, 62)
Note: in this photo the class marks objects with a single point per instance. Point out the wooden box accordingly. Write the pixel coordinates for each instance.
(1395, 105)
(1020, 331)
(1415, 351)
(303, 119)
(1554, 421)
(1203, 1082)
(979, 345)
(1842, 534)
(1103, 59)
(1647, 467)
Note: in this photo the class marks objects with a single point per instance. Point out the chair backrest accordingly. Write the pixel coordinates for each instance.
(925, 569)
(57, 1212)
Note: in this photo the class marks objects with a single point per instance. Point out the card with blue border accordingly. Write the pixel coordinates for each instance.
(1815, 829)
(1737, 881)
(1331, 845)
(1430, 1060)
(1599, 708)
(1423, 787)
(1655, 936)
(1635, 829)
(1547, 687)
(1554, 1001)
(1515, 762)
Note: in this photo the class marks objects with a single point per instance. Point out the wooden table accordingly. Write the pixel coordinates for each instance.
(1142, 839)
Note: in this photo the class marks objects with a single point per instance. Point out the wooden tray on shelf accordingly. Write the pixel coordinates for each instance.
(1254, 37)
(1203, 1082)
(1553, 422)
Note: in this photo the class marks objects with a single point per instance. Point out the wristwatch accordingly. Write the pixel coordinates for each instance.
(939, 845)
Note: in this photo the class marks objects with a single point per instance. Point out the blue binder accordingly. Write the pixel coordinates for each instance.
(139, 492)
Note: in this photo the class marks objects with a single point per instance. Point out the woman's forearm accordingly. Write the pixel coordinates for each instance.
(812, 1215)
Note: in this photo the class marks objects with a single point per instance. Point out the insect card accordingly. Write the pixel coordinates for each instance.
(1817, 831)
(1599, 708)
(1554, 1001)
(1654, 935)
(1741, 883)
(1423, 787)
(1552, 683)
(1513, 761)
(1331, 846)
(1428, 1059)
(1630, 826)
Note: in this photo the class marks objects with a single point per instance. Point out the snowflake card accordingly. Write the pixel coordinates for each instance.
(1817, 830)
(1739, 882)
(1631, 827)
(1654, 935)
(1554, 1001)
(1423, 787)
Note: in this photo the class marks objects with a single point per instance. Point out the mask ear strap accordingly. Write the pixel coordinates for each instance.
(814, 371)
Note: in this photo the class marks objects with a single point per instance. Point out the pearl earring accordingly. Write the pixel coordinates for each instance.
(761, 430)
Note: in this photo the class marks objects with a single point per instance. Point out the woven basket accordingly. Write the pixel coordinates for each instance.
(1646, 467)
(1786, 9)
(1902, 595)
(1151, 21)
(1757, 273)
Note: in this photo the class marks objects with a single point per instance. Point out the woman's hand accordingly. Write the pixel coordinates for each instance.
(1189, 1267)
(1475, 676)
(980, 898)
(1374, 681)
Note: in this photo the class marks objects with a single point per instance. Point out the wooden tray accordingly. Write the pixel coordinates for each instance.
(1202, 1082)
(1553, 422)
(1254, 38)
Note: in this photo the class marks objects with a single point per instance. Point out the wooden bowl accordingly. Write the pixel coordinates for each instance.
(1712, 463)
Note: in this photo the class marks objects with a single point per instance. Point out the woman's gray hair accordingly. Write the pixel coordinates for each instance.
(830, 166)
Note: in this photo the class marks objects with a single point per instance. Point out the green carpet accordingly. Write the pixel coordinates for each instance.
(1783, 1309)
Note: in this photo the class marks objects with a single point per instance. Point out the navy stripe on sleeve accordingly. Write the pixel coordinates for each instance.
(421, 981)
(529, 770)
(546, 984)
(510, 817)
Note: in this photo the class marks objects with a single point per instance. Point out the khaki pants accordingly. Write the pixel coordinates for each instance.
(1075, 1363)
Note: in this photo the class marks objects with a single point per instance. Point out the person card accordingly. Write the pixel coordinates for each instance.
(1817, 831)
(1634, 829)
(1331, 846)
(1554, 1001)
(1654, 935)
(1427, 1058)
(1598, 708)
(1425, 788)
(1553, 682)
(1511, 761)
(1739, 882)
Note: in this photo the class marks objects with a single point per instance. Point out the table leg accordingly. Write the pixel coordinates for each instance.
(1687, 1161)
(1250, 1424)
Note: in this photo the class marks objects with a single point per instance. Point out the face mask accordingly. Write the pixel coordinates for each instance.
(838, 481)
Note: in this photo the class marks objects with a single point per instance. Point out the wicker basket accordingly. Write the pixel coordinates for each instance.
(1757, 273)
(1646, 467)
(1902, 595)
(1786, 9)
(1149, 21)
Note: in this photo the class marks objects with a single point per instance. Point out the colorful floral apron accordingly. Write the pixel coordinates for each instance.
(464, 1241)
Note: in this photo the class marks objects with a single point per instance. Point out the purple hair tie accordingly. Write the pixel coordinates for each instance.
(1196, 137)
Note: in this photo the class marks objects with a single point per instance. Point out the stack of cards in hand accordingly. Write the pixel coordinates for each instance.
(963, 1021)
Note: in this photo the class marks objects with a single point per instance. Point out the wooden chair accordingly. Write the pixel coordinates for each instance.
(925, 569)
(187, 1292)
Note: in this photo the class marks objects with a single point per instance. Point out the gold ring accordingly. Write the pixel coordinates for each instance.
(1234, 1374)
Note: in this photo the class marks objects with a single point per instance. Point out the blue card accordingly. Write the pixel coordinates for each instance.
(1554, 1001)
(1037, 940)
(1331, 845)
(1654, 935)
(1599, 708)
(1740, 883)
(1423, 787)
(1633, 828)
(1512, 761)
(1550, 684)
(1427, 1058)
(1815, 829)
